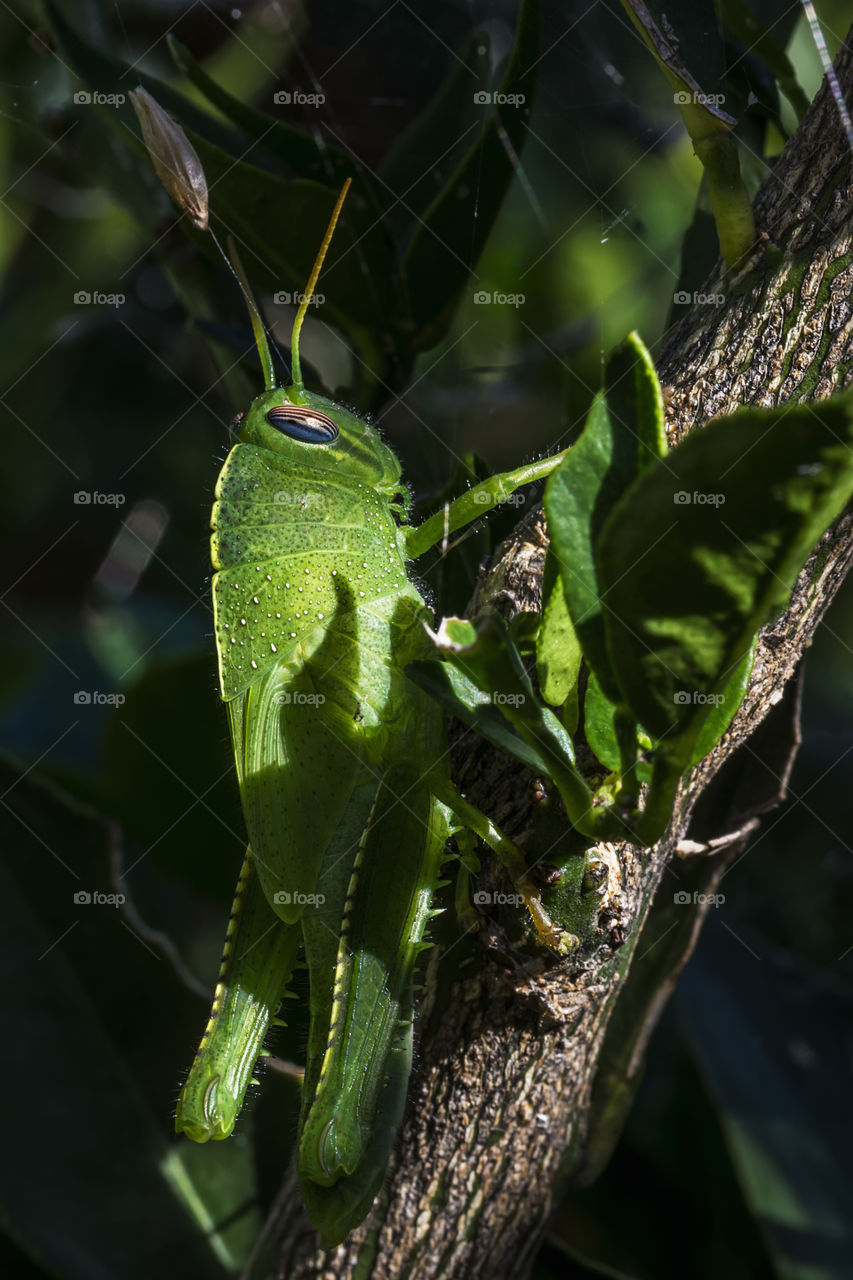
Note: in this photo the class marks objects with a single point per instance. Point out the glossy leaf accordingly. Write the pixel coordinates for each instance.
(558, 651)
(601, 732)
(705, 547)
(623, 433)
(462, 699)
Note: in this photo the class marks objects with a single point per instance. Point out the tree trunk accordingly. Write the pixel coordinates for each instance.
(526, 1065)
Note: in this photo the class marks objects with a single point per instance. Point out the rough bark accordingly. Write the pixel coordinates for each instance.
(526, 1065)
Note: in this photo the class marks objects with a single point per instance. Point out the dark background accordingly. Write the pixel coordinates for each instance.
(734, 1161)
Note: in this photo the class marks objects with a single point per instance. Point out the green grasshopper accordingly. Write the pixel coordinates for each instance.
(343, 770)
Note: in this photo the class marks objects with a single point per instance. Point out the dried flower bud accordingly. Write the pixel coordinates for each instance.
(174, 158)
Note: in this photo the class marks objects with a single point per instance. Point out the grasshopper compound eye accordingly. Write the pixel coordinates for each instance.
(308, 425)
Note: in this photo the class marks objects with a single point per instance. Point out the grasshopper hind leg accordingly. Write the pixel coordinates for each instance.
(257, 962)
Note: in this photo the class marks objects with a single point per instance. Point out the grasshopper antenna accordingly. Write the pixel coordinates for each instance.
(296, 368)
(235, 266)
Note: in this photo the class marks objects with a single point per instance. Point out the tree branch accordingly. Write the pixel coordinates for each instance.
(526, 1065)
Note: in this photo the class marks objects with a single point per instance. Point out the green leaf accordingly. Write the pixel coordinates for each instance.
(705, 547)
(108, 75)
(558, 651)
(623, 433)
(634, 398)
(484, 653)
(444, 249)
(600, 728)
(301, 154)
(472, 706)
(254, 206)
(687, 45)
(722, 712)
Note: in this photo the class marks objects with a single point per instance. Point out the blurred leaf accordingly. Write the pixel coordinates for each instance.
(450, 237)
(556, 1261)
(764, 44)
(170, 776)
(761, 1026)
(71, 964)
(687, 45)
(107, 75)
(277, 223)
(325, 164)
(411, 167)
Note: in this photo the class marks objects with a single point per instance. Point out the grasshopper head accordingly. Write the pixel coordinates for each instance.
(303, 428)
